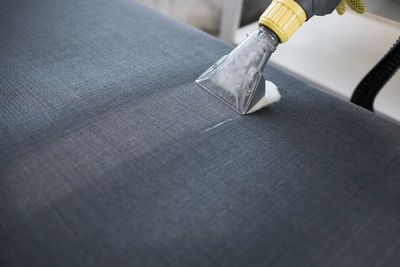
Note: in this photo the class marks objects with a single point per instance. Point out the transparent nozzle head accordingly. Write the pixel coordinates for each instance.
(237, 78)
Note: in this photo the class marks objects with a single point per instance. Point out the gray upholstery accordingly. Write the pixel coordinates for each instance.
(109, 155)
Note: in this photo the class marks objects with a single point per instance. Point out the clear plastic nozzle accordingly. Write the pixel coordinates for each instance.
(237, 78)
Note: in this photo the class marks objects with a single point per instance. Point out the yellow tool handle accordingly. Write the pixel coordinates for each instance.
(284, 17)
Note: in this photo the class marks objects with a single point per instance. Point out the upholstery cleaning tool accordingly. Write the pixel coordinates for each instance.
(237, 78)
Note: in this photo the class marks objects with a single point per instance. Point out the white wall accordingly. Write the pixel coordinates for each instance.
(204, 14)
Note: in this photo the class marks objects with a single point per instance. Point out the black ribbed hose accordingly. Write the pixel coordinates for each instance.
(366, 91)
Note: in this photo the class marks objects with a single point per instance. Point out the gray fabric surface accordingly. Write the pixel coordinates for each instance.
(108, 155)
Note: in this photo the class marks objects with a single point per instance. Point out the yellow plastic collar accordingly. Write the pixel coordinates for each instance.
(284, 17)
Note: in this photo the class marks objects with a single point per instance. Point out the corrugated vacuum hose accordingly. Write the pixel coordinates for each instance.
(366, 91)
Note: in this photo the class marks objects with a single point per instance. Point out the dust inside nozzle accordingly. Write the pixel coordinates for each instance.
(237, 78)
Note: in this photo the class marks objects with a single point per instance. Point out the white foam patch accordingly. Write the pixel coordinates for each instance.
(272, 95)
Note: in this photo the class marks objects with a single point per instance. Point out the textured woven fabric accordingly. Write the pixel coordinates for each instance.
(110, 154)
